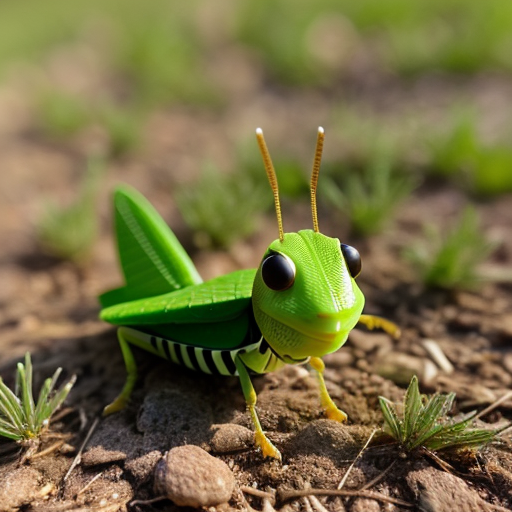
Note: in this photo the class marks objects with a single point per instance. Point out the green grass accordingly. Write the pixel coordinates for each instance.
(22, 419)
(421, 422)
(160, 52)
(369, 198)
(69, 232)
(450, 259)
(62, 115)
(460, 155)
(222, 208)
(461, 36)
(123, 127)
(162, 46)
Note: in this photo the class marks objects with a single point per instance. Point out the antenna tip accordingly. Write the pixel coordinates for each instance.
(259, 131)
(320, 129)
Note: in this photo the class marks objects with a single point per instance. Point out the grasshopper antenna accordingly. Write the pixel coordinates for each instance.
(271, 173)
(314, 175)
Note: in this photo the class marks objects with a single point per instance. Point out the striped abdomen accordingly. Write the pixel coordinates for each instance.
(207, 360)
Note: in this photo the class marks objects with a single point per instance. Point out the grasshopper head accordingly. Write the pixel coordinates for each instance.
(305, 298)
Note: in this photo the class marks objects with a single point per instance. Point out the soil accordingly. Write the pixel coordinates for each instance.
(49, 308)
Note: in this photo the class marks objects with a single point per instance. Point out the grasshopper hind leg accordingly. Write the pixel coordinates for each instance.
(131, 378)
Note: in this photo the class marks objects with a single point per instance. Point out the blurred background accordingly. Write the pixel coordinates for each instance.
(415, 98)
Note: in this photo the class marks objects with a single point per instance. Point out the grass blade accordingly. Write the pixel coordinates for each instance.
(10, 405)
(61, 395)
(412, 407)
(391, 418)
(42, 400)
(27, 401)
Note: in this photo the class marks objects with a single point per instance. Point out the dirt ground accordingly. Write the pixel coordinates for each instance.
(50, 308)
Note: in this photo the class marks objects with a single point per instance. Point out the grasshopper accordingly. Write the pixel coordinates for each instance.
(299, 305)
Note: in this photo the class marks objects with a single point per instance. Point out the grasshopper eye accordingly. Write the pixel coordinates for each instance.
(278, 272)
(352, 259)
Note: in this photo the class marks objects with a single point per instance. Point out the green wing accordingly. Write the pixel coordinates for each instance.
(217, 300)
(152, 259)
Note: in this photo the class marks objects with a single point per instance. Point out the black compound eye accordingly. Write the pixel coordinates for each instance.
(278, 272)
(352, 259)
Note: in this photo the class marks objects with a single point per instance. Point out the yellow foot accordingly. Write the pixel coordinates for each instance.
(267, 448)
(333, 413)
(117, 405)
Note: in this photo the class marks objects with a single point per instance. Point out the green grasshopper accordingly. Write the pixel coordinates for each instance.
(299, 305)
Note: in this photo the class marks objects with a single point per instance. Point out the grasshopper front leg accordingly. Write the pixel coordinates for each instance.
(131, 378)
(267, 448)
(376, 322)
(330, 408)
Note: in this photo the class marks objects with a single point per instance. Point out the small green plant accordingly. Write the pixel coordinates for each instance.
(21, 418)
(69, 232)
(369, 198)
(62, 115)
(422, 423)
(222, 208)
(453, 151)
(123, 126)
(460, 153)
(451, 260)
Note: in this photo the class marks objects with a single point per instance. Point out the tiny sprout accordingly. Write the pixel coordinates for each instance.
(21, 418)
(422, 423)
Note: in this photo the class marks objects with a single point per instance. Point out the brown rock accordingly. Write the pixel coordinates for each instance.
(229, 437)
(438, 491)
(99, 455)
(17, 487)
(191, 477)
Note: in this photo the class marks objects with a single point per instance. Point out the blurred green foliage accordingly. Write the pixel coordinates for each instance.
(450, 258)
(62, 115)
(150, 55)
(222, 208)
(460, 153)
(69, 232)
(296, 39)
(368, 197)
(162, 45)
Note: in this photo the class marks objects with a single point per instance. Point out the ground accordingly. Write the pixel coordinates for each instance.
(50, 308)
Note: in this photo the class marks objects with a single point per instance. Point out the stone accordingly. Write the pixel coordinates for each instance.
(438, 491)
(17, 487)
(189, 476)
(230, 437)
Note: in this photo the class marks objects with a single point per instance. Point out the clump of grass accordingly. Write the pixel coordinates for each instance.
(460, 153)
(222, 208)
(369, 198)
(450, 260)
(69, 232)
(453, 151)
(422, 423)
(62, 115)
(123, 126)
(22, 419)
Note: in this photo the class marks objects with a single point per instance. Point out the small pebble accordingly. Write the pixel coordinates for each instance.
(400, 368)
(229, 437)
(191, 477)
